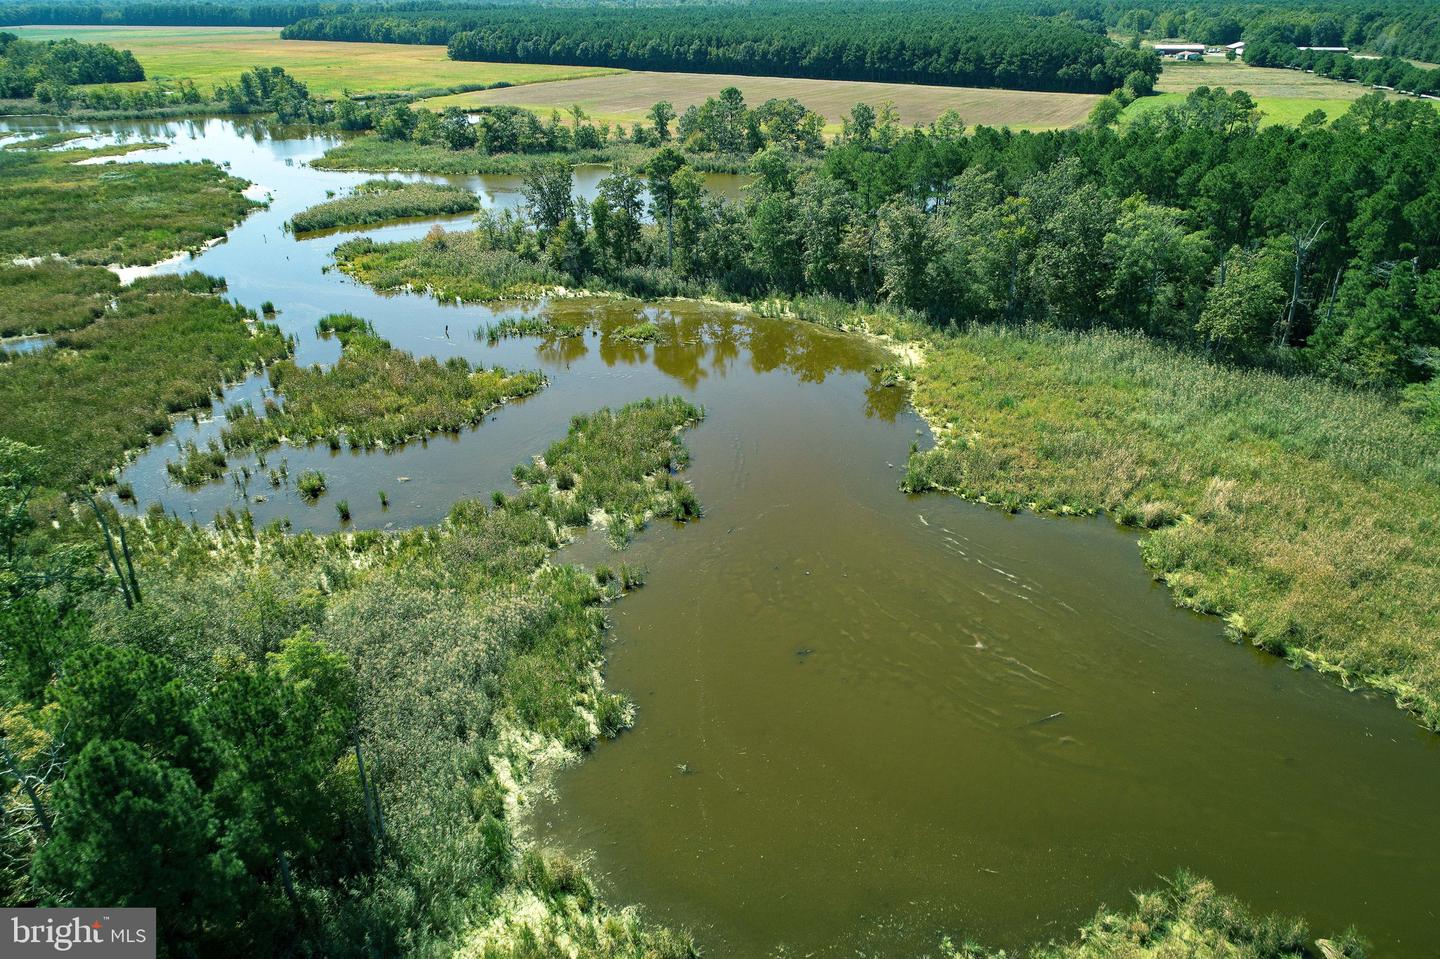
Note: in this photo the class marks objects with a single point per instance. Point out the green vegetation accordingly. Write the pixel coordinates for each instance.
(373, 396)
(311, 484)
(379, 155)
(464, 266)
(129, 213)
(45, 70)
(378, 200)
(542, 325)
(1300, 509)
(921, 42)
(1186, 917)
(110, 387)
(331, 731)
(210, 55)
(638, 333)
(51, 296)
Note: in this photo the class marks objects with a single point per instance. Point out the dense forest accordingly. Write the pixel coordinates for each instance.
(840, 39)
(29, 69)
(1409, 28)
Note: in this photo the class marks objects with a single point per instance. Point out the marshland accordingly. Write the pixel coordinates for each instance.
(682, 570)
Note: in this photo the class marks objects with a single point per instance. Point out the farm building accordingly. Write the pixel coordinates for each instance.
(1326, 49)
(1170, 49)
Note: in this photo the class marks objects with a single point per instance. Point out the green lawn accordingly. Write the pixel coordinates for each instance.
(1283, 96)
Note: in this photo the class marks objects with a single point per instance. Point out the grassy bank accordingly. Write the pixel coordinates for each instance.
(379, 200)
(1301, 511)
(474, 661)
(111, 386)
(461, 265)
(128, 213)
(373, 396)
(1185, 917)
(374, 154)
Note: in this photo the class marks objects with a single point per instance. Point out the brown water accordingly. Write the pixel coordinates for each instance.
(864, 719)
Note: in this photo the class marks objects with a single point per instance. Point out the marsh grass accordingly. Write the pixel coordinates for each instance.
(646, 332)
(110, 387)
(615, 468)
(374, 395)
(52, 296)
(374, 154)
(129, 213)
(311, 485)
(452, 266)
(1183, 917)
(529, 326)
(1303, 512)
(379, 200)
(196, 465)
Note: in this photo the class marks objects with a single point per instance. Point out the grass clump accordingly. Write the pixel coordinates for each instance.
(113, 385)
(453, 266)
(197, 466)
(529, 326)
(615, 468)
(1185, 917)
(646, 332)
(52, 296)
(1302, 511)
(376, 154)
(311, 485)
(129, 213)
(379, 200)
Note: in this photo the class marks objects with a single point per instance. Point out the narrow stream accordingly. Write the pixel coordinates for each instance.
(865, 719)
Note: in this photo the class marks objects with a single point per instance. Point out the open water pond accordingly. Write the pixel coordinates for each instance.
(865, 719)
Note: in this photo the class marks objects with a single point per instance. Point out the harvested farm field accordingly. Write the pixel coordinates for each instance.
(624, 98)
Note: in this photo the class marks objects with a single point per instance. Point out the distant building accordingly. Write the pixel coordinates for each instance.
(1326, 49)
(1170, 49)
(1238, 46)
(1189, 55)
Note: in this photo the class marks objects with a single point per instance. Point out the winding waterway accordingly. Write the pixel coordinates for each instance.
(865, 719)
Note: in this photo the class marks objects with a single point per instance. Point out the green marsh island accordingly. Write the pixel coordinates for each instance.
(767, 479)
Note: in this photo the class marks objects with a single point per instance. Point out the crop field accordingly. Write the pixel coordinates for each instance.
(1284, 96)
(209, 55)
(624, 98)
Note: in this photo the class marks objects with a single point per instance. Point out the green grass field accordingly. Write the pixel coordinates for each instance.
(1283, 96)
(209, 55)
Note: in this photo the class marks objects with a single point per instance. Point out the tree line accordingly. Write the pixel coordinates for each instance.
(1392, 73)
(29, 68)
(922, 41)
(1309, 247)
(1409, 28)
